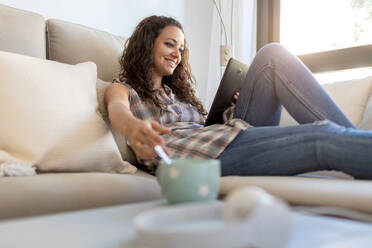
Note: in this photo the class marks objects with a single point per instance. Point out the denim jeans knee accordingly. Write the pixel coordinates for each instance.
(270, 49)
(327, 126)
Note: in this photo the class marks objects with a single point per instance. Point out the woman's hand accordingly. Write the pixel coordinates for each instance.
(144, 136)
(235, 98)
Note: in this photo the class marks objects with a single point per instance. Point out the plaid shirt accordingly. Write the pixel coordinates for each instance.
(189, 137)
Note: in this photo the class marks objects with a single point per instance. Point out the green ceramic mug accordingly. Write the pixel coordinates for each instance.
(189, 180)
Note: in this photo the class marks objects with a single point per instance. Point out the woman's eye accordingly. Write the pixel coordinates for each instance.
(168, 44)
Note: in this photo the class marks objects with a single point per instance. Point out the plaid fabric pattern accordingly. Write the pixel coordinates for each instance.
(189, 137)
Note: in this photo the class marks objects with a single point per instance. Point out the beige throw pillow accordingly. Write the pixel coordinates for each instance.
(49, 117)
(350, 95)
(366, 122)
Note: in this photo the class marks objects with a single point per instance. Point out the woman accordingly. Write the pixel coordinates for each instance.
(153, 103)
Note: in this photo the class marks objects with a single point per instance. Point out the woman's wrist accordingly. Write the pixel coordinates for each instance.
(129, 125)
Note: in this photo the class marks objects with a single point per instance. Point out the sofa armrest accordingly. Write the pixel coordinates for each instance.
(350, 194)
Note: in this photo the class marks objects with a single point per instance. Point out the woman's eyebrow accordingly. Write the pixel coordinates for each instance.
(174, 41)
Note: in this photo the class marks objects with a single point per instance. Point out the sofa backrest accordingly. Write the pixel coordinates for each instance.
(73, 43)
(22, 32)
(28, 33)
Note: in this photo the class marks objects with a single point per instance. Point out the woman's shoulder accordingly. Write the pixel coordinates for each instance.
(117, 80)
(133, 95)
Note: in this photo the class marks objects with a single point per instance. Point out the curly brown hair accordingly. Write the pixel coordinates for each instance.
(137, 63)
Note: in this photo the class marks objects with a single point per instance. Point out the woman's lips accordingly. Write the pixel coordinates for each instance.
(171, 62)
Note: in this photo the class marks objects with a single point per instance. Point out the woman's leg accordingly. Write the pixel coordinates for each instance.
(277, 77)
(322, 145)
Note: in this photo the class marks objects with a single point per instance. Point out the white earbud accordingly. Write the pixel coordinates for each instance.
(260, 215)
(243, 201)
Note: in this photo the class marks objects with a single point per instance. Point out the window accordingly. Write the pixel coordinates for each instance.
(329, 36)
(321, 25)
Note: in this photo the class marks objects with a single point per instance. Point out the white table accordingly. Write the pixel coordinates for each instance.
(112, 227)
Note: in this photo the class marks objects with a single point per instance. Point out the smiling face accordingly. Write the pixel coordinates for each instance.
(167, 51)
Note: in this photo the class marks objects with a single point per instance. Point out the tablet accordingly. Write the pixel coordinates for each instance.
(231, 82)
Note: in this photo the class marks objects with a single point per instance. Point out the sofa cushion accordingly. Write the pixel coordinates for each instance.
(49, 117)
(351, 95)
(350, 194)
(366, 122)
(22, 32)
(73, 43)
(57, 192)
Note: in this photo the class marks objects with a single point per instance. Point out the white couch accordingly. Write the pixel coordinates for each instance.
(28, 33)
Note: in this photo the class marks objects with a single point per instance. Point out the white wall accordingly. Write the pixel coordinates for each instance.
(198, 29)
(115, 16)
(121, 16)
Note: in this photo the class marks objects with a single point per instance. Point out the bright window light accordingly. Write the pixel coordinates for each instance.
(343, 75)
(308, 26)
(319, 25)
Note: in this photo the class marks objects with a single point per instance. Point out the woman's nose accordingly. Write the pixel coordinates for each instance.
(176, 53)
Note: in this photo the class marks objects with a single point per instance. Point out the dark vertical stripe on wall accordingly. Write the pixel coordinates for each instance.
(268, 22)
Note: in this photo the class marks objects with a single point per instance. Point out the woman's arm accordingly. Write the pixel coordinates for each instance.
(142, 134)
(117, 102)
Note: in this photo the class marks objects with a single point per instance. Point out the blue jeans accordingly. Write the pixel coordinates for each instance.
(325, 139)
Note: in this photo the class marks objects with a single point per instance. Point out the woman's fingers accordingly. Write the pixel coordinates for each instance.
(147, 137)
(152, 136)
(143, 151)
(159, 128)
(235, 98)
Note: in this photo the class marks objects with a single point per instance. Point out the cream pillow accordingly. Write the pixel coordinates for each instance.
(350, 95)
(366, 122)
(49, 117)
